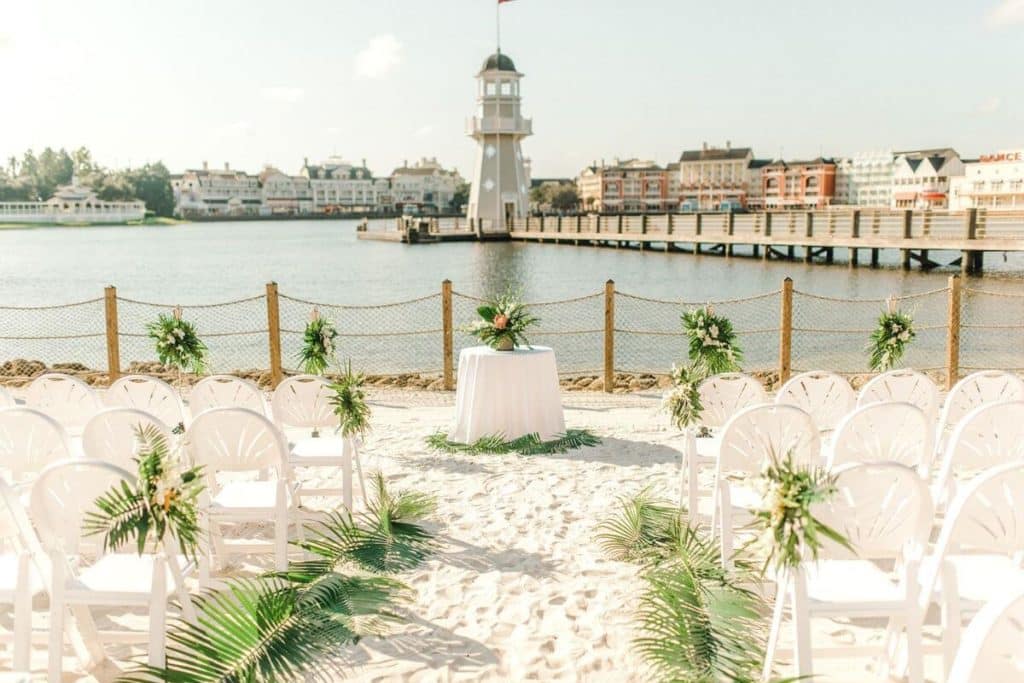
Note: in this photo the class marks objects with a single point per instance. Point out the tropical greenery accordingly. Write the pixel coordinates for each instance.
(349, 403)
(503, 322)
(177, 344)
(790, 533)
(550, 196)
(712, 342)
(529, 444)
(889, 341)
(161, 504)
(317, 350)
(682, 402)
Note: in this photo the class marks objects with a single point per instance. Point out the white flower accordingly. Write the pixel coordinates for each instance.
(179, 333)
(904, 335)
(169, 338)
(891, 341)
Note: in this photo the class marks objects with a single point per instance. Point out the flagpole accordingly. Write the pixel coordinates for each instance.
(497, 24)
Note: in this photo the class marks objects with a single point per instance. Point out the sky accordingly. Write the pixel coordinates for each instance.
(259, 82)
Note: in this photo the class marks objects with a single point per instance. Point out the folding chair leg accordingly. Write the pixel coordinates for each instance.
(778, 612)
(359, 471)
(915, 654)
(56, 639)
(188, 610)
(158, 614)
(281, 517)
(801, 626)
(22, 615)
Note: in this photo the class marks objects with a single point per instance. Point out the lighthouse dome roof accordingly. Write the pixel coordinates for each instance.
(498, 61)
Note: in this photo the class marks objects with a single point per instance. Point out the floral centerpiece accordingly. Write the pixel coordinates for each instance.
(178, 345)
(682, 402)
(317, 345)
(713, 346)
(889, 340)
(503, 322)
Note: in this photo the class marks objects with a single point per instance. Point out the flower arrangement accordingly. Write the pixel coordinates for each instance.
(503, 322)
(789, 528)
(317, 345)
(177, 344)
(349, 403)
(682, 402)
(889, 340)
(712, 340)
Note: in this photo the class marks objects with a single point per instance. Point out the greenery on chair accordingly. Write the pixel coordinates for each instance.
(349, 403)
(529, 444)
(317, 350)
(177, 343)
(890, 338)
(682, 402)
(712, 341)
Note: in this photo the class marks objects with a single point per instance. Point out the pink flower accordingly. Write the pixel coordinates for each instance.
(500, 321)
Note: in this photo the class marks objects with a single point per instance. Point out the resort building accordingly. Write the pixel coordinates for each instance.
(284, 194)
(425, 185)
(994, 182)
(341, 187)
(632, 186)
(755, 186)
(216, 192)
(712, 178)
(865, 179)
(72, 203)
(799, 184)
(921, 178)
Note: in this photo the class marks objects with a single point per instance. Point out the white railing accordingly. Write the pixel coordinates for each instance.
(490, 125)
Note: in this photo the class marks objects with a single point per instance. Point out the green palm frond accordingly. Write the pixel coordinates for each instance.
(530, 444)
(645, 530)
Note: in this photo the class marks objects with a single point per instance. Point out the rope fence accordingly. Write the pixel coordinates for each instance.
(608, 335)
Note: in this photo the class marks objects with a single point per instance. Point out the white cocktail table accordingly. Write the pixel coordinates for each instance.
(509, 393)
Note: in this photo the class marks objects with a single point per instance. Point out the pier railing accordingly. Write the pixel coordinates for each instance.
(601, 334)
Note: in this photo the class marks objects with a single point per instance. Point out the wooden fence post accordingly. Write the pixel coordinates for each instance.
(113, 342)
(274, 334)
(953, 333)
(786, 331)
(609, 336)
(448, 343)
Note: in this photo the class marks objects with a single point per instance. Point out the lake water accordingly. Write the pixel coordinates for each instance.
(322, 261)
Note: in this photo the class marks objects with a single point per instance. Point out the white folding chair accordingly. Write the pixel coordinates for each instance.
(884, 510)
(29, 441)
(988, 436)
(749, 440)
(85, 576)
(976, 389)
(226, 391)
(904, 386)
(67, 399)
(6, 399)
(303, 402)
(155, 396)
(884, 432)
(991, 649)
(825, 396)
(979, 554)
(721, 397)
(21, 573)
(236, 441)
(112, 435)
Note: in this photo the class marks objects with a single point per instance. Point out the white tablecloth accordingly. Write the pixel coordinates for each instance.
(511, 393)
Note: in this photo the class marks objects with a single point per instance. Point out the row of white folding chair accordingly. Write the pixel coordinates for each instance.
(29, 441)
(67, 399)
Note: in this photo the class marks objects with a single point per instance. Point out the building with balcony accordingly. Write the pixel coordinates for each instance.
(865, 179)
(338, 186)
(713, 177)
(73, 203)
(790, 185)
(755, 185)
(284, 194)
(216, 192)
(994, 182)
(425, 185)
(632, 186)
(921, 178)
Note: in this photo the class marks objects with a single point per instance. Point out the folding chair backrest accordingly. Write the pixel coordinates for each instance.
(884, 432)
(67, 399)
(112, 435)
(756, 434)
(987, 515)
(990, 649)
(62, 496)
(236, 440)
(155, 396)
(29, 441)
(978, 389)
(909, 386)
(724, 395)
(882, 509)
(226, 391)
(6, 399)
(304, 401)
(825, 396)
(988, 436)
(16, 531)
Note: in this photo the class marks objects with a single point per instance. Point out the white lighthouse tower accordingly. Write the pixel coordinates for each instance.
(500, 183)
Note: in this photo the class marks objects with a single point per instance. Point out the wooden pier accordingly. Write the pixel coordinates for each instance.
(813, 236)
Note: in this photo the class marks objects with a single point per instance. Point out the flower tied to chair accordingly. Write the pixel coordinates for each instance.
(895, 330)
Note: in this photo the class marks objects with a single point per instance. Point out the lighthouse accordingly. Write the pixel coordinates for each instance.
(500, 182)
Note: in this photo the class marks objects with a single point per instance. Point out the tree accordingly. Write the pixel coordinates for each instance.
(564, 198)
(461, 197)
(152, 184)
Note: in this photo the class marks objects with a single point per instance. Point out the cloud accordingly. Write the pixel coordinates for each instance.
(283, 94)
(424, 131)
(378, 58)
(1006, 13)
(333, 130)
(235, 129)
(989, 105)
